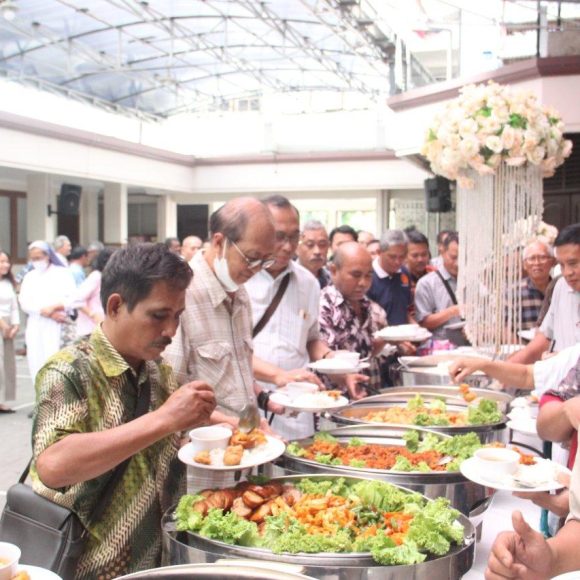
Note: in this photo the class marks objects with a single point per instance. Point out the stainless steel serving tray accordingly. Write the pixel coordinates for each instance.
(187, 547)
(411, 376)
(469, 498)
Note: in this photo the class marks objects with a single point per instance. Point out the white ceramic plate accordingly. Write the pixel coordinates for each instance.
(568, 576)
(456, 325)
(470, 469)
(334, 366)
(403, 332)
(527, 334)
(37, 573)
(309, 402)
(525, 426)
(252, 457)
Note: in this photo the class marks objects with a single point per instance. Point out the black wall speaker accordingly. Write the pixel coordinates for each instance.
(437, 194)
(69, 199)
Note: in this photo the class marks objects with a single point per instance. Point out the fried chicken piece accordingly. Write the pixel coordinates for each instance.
(203, 457)
(240, 508)
(333, 394)
(233, 455)
(257, 437)
(291, 495)
(240, 438)
(223, 500)
(260, 514)
(22, 575)
(252, 499)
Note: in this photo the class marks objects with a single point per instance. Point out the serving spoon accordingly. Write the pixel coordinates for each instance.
(249, 416)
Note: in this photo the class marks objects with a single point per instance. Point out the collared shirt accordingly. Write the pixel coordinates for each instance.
(431, 296)
(532, 299)
(343, 329)
(392, 292)
(78, 273)
(214, 340)
(283, 341)
(89, 387)
(323, 277)
(414, 279)
(562, 322)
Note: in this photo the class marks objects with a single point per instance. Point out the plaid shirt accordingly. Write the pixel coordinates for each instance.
(342, 329)
(532, 300)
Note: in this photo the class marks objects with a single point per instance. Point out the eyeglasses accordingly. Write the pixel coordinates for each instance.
(253, 264)
(322, 244)
(283, 237)
(538, 259)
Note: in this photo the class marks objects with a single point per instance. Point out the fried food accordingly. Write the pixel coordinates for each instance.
(404, 416)
(203, 457)
(22, 575)
(466, 393)
(334, 394)
(249, 440)
(233, 455)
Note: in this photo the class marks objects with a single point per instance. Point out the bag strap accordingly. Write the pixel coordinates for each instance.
(449, 289)
(141, 409)
(272, 306)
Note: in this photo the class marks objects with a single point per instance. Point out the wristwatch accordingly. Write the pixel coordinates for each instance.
(263, 398)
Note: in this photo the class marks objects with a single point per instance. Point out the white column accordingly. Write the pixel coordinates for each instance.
(115, 214)
(383, 208)
(38, 197)
(166, 218)
(89, 218)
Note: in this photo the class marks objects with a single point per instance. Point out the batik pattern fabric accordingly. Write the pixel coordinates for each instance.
(89, 387)
(343, 329)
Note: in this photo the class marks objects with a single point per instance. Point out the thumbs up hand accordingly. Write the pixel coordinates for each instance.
(523, 554)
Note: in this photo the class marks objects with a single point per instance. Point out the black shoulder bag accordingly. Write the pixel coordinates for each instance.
(50, 535)
(456, 336)
(272, 306)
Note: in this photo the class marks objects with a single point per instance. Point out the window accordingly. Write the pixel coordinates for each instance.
(13, 225)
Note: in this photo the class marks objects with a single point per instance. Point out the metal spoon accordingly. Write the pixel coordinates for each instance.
(249, 416)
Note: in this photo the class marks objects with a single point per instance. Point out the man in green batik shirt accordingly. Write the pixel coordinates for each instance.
(86, 400)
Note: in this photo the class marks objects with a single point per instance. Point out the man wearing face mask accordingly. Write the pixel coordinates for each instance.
(214, 340)
(46, 293)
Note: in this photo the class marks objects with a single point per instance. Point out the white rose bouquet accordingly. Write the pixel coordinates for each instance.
(490, 124)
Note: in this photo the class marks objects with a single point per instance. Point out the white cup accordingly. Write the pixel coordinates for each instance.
(347, 355)
(9, 558)
(495, 463)
(208, 438)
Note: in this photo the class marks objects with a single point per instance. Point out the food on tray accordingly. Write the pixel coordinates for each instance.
(466, 393)
(434, 413)
(22, 575)
(325, 515)
(333, 394)
(233, 454)
(430, 453)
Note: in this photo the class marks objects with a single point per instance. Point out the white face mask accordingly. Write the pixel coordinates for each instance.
(222, 272)
(40, 265)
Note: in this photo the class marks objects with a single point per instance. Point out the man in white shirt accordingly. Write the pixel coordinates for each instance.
(561, 326)
(290, 338)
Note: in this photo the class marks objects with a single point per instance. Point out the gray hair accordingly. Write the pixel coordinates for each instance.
(313, 225)
(232, 218)
(60, 241)
(393, 238)
(96, 246)
(549, 248)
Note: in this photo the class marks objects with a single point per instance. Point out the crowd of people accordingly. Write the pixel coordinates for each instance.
(203, 329)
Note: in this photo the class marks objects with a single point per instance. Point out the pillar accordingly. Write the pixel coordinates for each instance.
(115, 214)
(166, 218)
(39, 195)
(89, 218)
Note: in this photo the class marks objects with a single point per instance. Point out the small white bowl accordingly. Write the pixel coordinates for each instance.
(495, 463)
(351, 357)
(212, 437)
(9, 558)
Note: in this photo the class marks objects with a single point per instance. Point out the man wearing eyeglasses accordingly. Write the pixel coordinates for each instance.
(538, 261)
(313, 249)
(214, 338)
(291, 337)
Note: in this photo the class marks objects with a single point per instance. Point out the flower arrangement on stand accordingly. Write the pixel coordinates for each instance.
(497, 143)
(492, 124)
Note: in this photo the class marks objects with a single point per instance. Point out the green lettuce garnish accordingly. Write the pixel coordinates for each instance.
(186, 518)
(229, 528)
(415, 403)
(355, 442)
(438, 404)
(402, 464)
(411, 439)
(357, 463)
(486, 412)
(384, 496)
(325, 436)
(295, 449)
(336, 486)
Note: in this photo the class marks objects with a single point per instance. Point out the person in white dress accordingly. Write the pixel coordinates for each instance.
(46, 295)
(9, 324)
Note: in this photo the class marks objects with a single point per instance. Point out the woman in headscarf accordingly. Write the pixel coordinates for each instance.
(46, 295)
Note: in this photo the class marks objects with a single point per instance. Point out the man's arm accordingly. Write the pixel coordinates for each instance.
(437, 319)
(317, 349)
(554, 423)
(425, 304)
(269, 373)
(533, 351)
(516, 375)
(80, 457)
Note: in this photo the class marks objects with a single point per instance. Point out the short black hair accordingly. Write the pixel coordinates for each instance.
(231, 222)
(169, 241)
(416, 237)
(569, 235)
(100, 260)
(132, 272)
(442, 235)
(78, 252)
(344, 229)
(280, 202)
(451, 237)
